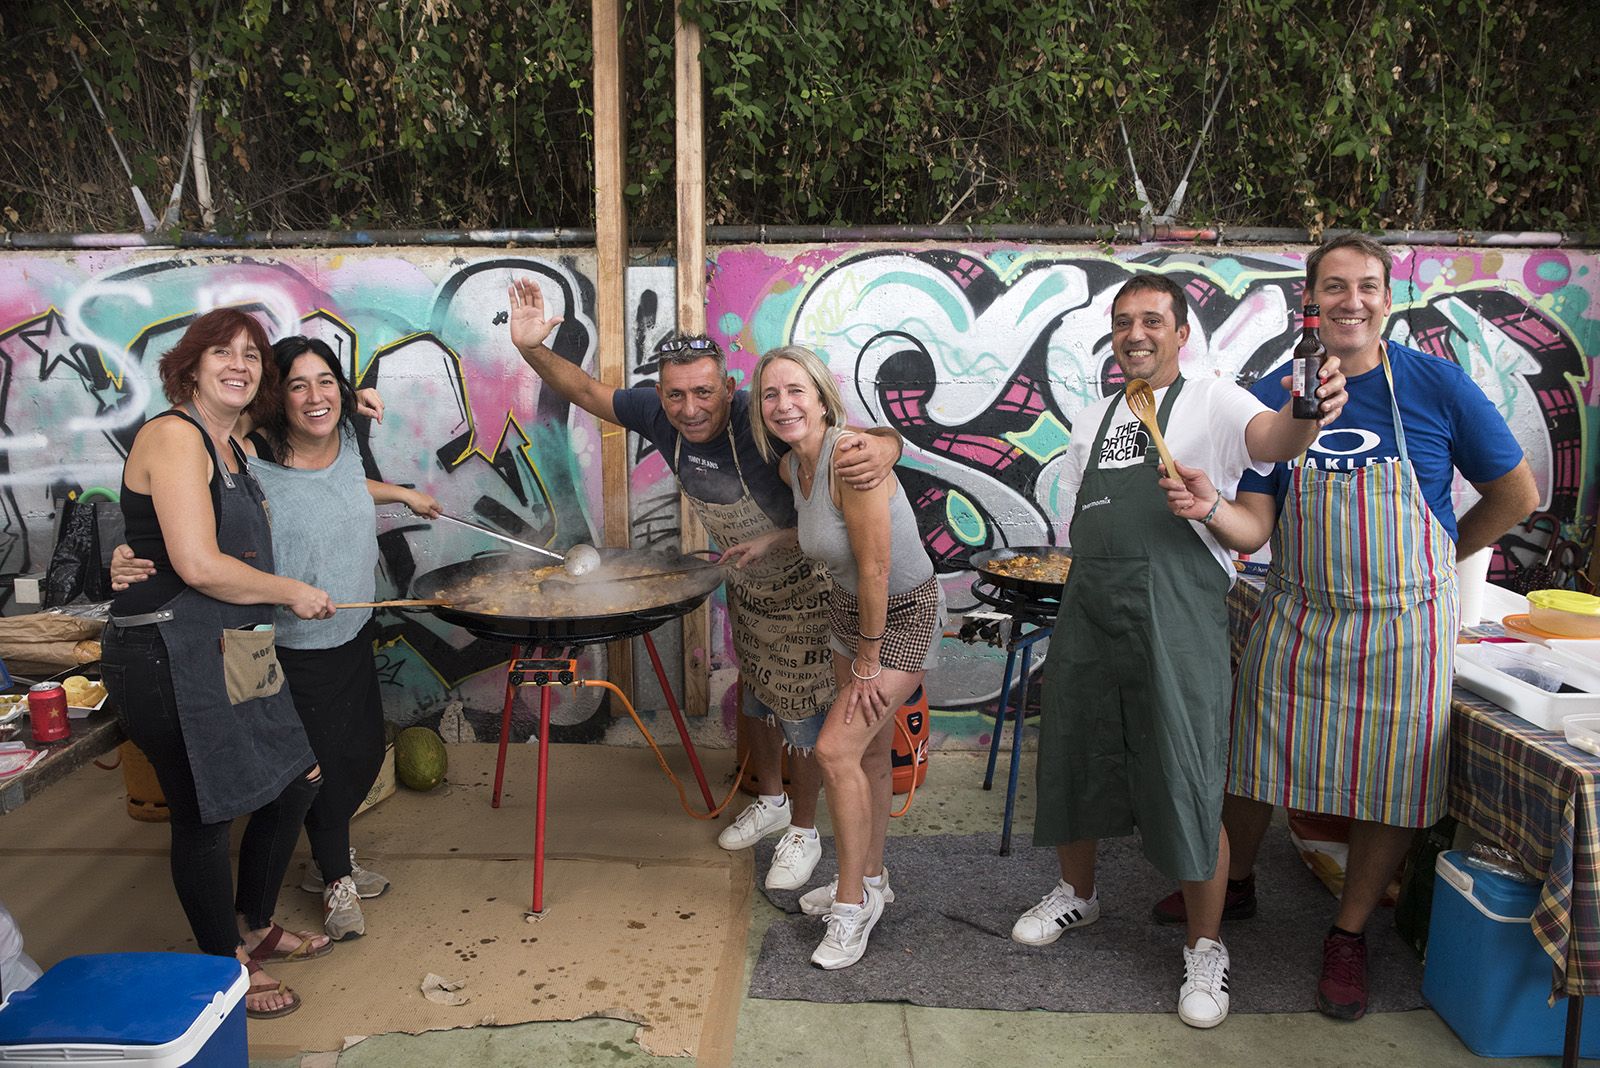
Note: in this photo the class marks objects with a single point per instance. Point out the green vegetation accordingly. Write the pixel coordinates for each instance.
(479, 113)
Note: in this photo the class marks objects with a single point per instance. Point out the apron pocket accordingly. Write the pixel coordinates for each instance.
(250, 665)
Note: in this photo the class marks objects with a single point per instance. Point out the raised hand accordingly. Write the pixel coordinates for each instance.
(529, 327)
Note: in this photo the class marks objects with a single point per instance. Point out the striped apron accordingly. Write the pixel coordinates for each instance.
(1342, 701)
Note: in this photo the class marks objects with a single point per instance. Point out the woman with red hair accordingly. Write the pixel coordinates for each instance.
(188, 655)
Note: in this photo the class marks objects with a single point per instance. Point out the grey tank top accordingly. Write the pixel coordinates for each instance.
(823, 535)
(324, 532)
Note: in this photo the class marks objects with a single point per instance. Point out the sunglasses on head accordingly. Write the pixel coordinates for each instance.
(686, 344)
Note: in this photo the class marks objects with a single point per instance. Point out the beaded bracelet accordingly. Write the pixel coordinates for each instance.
(1206, 519)
(871, 637)
(865, 678)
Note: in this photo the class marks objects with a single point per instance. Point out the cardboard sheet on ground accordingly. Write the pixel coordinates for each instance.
(645, 917)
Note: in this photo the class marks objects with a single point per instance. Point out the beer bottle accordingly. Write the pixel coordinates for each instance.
(1308, 356)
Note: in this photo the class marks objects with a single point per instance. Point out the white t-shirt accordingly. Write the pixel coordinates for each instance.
(1205, 429)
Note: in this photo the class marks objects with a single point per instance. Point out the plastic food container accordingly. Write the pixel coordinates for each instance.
(1543, 708)
(1522, 664)
(1565, 612)
(1583, 732)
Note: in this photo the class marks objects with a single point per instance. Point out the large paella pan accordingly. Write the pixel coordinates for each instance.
(498, 595)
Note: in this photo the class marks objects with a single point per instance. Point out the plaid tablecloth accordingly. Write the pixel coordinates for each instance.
(1527, 790)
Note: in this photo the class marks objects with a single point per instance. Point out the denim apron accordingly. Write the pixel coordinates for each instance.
(244, 740)
(1133, 730)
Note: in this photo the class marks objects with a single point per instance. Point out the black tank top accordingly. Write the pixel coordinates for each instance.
(143, 531)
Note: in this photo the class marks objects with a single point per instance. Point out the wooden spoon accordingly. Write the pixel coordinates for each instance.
(432, 602)
(1142, 402)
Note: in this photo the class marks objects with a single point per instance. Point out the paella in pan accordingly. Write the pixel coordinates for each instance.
(1040, 571)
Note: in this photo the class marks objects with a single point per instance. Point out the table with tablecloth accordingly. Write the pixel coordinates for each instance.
(1525, 789)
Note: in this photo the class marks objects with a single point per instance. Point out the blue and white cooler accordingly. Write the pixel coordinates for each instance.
(1486, 975)
(156, 1010)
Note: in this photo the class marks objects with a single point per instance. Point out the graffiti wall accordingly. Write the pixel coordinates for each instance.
(982, 357)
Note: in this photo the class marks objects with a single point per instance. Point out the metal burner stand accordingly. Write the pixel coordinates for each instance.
(545, 673)
(1018, 623)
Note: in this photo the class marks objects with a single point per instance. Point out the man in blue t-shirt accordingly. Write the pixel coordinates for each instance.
(777, 599)
(1342, 698)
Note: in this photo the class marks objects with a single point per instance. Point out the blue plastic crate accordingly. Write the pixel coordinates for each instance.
(1486, 975)
(156, 1010)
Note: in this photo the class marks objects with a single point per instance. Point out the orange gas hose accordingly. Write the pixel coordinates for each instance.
(911, 744)
(683, 796)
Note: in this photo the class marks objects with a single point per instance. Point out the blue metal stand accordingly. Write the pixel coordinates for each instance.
(1024, 646)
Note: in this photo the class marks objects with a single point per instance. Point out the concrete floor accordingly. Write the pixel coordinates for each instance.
(777, 1033)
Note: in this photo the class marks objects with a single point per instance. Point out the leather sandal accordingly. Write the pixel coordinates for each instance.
(254, 969)
(268, 949)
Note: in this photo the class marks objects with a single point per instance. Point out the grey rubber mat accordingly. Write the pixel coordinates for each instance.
(946, 940)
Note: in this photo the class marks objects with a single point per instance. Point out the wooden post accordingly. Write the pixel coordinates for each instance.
(691, 275)
(611, 265)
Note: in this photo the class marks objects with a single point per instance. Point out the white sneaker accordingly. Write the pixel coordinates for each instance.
(819, 902)
(754, 824)
(848, 928)
(794, 860)
(341, 910)
(1203, 997)
(368, 883)
(1061, 910)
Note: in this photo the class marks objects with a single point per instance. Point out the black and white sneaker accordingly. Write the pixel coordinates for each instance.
(1203, 997)
(1061, 910)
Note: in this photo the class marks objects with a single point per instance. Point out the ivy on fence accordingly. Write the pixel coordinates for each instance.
(478, 113)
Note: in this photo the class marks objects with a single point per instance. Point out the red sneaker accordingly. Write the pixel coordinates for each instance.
(1342, 990)
(1239, 904)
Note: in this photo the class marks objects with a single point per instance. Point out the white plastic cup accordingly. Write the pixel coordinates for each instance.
(1472, 574)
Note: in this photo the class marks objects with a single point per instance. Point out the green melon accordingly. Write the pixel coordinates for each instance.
(419, 758)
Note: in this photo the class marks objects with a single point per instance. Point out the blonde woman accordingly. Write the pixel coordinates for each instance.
(886, 614)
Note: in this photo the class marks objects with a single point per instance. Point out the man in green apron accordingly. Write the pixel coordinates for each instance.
(1133, 731)
(1354, 721)
(777, 599)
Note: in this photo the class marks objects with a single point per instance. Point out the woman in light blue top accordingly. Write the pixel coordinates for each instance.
(886, 614)
(309, 464)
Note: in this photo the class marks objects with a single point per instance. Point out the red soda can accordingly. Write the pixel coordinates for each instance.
(47, 711)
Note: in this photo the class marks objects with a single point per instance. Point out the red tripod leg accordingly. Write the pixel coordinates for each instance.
(538, 808)
(677, 717)
(505, 730)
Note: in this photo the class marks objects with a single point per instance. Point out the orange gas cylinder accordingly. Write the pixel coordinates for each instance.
(910, 758)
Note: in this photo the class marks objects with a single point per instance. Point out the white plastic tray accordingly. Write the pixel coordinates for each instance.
(1587, 649)
(1524, 700)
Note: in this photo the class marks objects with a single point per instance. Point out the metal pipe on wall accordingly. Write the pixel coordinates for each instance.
(579, 237)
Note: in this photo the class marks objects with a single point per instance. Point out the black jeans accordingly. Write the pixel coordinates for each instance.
(138, 676)
(336, 694)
